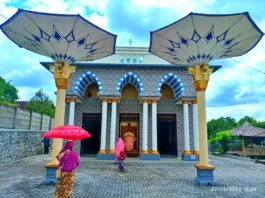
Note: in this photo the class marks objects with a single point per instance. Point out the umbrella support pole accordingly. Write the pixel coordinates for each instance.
(62, 74)
(201, 75)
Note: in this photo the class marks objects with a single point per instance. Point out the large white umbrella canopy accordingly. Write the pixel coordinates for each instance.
(199, 38)
(64, 38)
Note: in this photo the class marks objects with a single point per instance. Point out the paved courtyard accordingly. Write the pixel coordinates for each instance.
(166, 178)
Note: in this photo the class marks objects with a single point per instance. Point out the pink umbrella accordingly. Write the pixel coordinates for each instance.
(68, 132)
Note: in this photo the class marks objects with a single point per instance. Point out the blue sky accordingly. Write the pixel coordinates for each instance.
(235, 90)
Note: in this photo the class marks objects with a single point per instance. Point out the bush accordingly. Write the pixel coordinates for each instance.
(9, 103)
(222, 142)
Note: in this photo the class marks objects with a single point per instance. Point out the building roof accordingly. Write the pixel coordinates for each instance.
(248, 130)
(130, 65)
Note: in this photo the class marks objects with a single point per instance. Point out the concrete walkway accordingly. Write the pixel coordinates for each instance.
(166, 178)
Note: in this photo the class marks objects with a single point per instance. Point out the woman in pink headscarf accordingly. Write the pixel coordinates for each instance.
(69, 160)
(119, 147)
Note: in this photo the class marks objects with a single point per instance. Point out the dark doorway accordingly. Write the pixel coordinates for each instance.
(166, 135)
(91, 123)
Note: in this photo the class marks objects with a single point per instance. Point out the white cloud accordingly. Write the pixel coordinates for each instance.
(101, 21)
(13, 74)
(5, 55)
(28, 71)
(237, 111)
(31, 60)
(34, 61)
(123, 39)
(5, 12)
(26, 93)
(180, 7)
(51, 6)
(245, 80)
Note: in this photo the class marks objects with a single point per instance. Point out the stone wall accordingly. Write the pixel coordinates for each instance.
(17, 144)
(17, 118)
(109, 78)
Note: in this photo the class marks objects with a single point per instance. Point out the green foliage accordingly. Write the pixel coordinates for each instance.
(259, 124)
(41, 103)
(220, 124)
(251, 121)
(246, 118)
(263, 143)
(222, 142)
(8, 92)
(9, 104)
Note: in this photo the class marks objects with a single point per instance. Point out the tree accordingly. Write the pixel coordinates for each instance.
(8, 92)
(246, 118)
(220, 124)
(41, 103)
(251, 121)
(222, 142)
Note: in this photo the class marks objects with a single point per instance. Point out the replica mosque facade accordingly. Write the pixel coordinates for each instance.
(135, 95)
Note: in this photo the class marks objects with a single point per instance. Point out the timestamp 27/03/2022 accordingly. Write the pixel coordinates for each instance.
(234, 189)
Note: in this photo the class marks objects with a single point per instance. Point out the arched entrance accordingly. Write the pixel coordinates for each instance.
(171, 88)
(91, 123)
(167, 134)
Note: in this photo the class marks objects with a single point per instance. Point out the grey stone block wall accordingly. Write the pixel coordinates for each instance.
(150, 78)
(88, 106)
(17, 144)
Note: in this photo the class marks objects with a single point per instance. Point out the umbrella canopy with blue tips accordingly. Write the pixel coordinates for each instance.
(199, 38)
(64, 38)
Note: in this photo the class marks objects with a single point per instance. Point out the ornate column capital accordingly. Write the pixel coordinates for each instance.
(70, 99)
(145, 100)
(194, 102)
(185, 101)
(114, 100)
(62, 74)
(154, 100)
(200, 76)
(104, 99)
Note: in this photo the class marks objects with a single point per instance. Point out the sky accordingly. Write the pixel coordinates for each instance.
(235, 90)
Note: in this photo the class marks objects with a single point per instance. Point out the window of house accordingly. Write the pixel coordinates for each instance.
(167, 92)
(141, 59)
(92, 91)
(129, 91)
(128, 59)
(121, 59)
(134, 59)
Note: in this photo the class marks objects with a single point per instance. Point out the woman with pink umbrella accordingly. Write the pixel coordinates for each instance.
(68, 159)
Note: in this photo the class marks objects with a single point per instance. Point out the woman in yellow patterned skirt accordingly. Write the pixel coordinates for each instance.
(69, 160)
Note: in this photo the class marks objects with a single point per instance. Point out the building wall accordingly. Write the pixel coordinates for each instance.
(133, 106)
(109, 77)
(138, 52)
(17, 144)
(150, 78)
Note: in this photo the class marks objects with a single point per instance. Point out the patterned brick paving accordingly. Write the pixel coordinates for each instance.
(166, 178)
